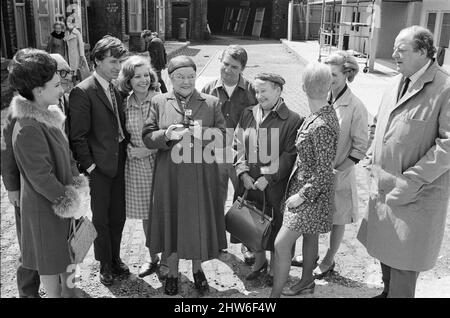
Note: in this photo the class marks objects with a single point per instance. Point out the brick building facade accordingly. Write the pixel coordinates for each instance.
(28, 23)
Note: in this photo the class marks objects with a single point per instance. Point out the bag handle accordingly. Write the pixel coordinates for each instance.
(244, 197)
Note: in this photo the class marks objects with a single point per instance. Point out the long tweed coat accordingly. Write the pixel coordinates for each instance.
(410, 174)
(187, 213)
(51, 188)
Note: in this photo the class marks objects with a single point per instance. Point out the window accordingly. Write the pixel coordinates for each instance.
(431, 21)
(445, 31)
(135, 15)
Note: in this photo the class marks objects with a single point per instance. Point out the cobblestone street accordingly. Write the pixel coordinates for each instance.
(356, 274)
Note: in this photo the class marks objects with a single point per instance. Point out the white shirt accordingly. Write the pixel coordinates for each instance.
(105, 85)
(413, 78)
(229, 89)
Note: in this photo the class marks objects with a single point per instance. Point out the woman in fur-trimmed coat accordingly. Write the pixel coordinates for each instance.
(52, 190)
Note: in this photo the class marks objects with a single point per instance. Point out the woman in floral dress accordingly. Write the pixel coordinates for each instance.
(141, 82)
(308, 210)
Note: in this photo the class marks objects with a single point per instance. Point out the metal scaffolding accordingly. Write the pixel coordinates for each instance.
(328, 33)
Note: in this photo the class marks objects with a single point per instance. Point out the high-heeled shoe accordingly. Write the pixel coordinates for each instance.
(318, 274)
(298, 261)
(255, 274)
(171, 286)
(200, 282)
(269, 280)
(307, 289)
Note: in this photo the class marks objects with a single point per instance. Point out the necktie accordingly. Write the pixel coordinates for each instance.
(116, 111)
(404, 88)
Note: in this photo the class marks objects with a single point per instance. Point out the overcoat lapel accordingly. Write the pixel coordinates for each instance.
(427, 77)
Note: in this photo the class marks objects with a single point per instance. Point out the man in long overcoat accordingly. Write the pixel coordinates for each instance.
(409, 163)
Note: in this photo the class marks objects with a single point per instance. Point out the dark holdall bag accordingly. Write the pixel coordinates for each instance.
(248, 224)
(82, 234)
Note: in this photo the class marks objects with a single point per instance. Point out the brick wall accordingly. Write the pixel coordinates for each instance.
(108, 18)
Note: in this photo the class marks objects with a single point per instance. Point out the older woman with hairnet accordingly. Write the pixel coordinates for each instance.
(187, 218)
(270, 120)
(308, 210)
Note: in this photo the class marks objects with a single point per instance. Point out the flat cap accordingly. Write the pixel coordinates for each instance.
(271, 77)
(179, 62)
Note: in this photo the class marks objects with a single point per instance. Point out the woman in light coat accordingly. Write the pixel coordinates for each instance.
(351, 149)
(75, 47)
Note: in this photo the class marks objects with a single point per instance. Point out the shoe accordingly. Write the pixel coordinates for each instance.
(148, 269)
(255, 274)
(119, 268)
(249, 257)
(382, 295)
(200, 282)
(317, 274)
(171, 286)
(269, 280)
(163, 271)
(298, 261)
(308, 289)
(106, 276)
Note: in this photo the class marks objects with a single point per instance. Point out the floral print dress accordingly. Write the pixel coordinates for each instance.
(312, 176)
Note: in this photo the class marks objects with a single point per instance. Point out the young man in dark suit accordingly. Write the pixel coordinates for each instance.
(98, 139)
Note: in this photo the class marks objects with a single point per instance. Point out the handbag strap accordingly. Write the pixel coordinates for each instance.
(244, 197)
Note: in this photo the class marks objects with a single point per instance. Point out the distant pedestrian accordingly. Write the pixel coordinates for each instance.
(51, 187)
(409, 164)
(235, 94)
(75, 50)
(155, 48)
(56, 42)
(139, 81)
(308, 210)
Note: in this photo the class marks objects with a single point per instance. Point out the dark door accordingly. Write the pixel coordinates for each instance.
(180, 10)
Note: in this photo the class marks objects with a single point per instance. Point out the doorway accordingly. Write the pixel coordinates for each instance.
(180, 10)
(46, 13)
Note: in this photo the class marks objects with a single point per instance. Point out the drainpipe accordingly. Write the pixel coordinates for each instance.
(290, 20)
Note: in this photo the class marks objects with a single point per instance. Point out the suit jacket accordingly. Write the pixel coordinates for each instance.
(157, 54)
(410, 174)
(94, 132)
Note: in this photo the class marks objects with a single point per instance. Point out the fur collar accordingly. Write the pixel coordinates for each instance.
(23, 108)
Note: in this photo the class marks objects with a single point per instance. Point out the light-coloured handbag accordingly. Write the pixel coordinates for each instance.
(82, 234)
